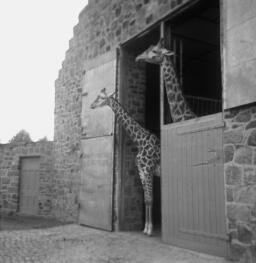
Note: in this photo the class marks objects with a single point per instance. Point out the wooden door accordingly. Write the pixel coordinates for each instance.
(29, 185)
(96, 188)
(193, 200)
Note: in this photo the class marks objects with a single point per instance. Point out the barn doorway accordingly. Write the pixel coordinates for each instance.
(140, 95)
(196, 180)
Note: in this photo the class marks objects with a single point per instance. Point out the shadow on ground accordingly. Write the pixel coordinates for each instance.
(22, 222)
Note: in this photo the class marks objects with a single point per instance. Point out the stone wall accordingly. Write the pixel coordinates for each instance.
(102, 26)
(10, 159)
(239, 52)
(240, 177)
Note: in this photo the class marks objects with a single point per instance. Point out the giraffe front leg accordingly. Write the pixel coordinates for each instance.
(150, 223)
(145, 231)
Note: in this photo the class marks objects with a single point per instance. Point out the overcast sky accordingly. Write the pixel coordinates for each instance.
(34, 38)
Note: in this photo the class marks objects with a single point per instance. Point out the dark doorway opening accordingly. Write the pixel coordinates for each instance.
(151, 119)
(194, 35)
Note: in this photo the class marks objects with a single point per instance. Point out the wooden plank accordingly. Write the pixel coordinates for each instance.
(97, 183)
(200, 223)
(186, 182)
(215, 143)
(172, 183)
(190, 183)
(212, 186)
(165, 186)
(219, 182)
(199, 174)
(198, 186)
(205, 190)
(98, 122)
(221, 189)
(175, 177)
(182, 198)
(170, 192)
(180, 163)
(191, 125)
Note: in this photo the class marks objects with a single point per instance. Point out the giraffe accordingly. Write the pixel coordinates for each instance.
(157, 54)
(148, 157)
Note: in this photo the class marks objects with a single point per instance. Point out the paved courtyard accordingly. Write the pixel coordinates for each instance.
(74, 243)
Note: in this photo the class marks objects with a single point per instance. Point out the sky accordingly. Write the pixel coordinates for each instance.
(34, 38)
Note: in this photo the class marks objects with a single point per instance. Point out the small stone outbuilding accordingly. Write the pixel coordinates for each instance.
(26, 178)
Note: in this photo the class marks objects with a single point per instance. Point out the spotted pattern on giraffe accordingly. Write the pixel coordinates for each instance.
(157, 54)
(148, 156)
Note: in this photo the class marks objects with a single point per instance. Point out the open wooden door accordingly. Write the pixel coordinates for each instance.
(96, 188)
(192, 180)
(193, 199)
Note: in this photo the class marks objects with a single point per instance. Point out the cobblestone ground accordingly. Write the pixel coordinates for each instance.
(75, 244)
(21, 222)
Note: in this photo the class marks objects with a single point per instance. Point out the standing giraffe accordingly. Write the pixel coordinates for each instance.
(157, 54)
(148, 157)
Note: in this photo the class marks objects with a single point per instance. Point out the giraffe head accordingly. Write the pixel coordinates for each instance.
(155, 53)
(102, 99)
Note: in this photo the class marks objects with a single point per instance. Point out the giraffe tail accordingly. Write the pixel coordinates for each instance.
(158, 171)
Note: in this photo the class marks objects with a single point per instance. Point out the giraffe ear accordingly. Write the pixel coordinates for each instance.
(161, 43)
(112, 95)
(168, 53)
(104, 91)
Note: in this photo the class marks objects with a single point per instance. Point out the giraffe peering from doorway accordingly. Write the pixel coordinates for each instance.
(148, 157)
(179, 109)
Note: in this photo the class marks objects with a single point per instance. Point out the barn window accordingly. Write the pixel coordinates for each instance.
(194, 35)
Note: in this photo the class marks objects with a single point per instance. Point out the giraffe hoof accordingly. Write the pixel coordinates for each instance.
(150, 230)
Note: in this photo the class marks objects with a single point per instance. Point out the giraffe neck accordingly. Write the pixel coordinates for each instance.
(179, 108)
(135, 131)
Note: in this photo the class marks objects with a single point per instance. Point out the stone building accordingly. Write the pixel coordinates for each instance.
(95, 181)
(26, 178)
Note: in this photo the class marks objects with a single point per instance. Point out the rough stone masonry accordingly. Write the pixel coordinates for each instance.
(10, 160)
(240, 176)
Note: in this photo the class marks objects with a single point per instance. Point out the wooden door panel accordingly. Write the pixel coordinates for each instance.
(96, 185)
(98, 122)
(97, 145)
(193, 202)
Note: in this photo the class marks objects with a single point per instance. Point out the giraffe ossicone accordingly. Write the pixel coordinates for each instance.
(158, 54)
(148, 156)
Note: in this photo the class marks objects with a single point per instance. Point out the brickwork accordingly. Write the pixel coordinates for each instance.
(102, 26)
(10, 159)
(240, 177)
